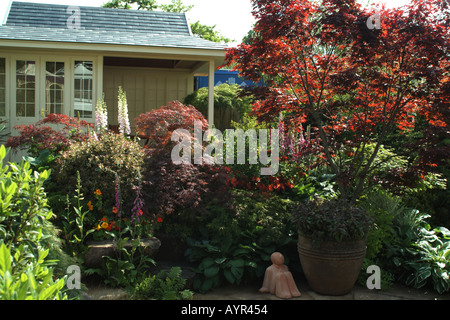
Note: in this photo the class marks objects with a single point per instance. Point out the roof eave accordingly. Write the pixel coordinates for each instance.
(162, 51)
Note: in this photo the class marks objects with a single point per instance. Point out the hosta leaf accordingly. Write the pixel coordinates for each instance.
(220, 260)
(237, 272)
(206, 263)
(206, 285)
(237, 263)
(229, 276)
(211, 271)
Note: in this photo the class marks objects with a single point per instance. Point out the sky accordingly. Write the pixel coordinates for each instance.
(232, 18)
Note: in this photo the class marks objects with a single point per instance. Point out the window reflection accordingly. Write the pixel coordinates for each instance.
(54, 87)
(83, 89)
(25, 88)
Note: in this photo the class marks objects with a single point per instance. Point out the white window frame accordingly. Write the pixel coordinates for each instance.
(6, 117)
(40, 59)
(95, 76)
(37, 98)
(67, 83)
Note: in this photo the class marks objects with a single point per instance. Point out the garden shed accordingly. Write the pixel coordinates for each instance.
(62, 59)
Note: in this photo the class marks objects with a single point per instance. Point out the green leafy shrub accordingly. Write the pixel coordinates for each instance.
(101, 162)
(229, 105)
(129, 263)
(75, 226)
(432, 195)
(266, 218)
(432, 260)
(127, 267)
(316, 184)
(383, 208)
(398, 175)
(386, 277)
(236, 243)
(420, 255)
(405, 246)
(27, 281)
(29, 241)
(24, 205)
(220, 261)
(165, 285)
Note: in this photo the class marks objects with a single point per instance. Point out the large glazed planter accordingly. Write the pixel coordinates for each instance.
(331, 268)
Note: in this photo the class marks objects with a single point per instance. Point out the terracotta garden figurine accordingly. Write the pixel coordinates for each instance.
(278, 279)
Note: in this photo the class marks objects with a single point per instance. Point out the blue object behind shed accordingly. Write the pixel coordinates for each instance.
(223, 76)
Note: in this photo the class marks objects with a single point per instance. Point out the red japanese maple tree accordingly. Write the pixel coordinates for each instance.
(54, 133)
(354, 73)
(158, 125)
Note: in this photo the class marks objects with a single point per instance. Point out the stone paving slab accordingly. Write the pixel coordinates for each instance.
(250, 292)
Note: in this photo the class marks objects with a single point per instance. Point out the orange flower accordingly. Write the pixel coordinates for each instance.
(115, 210)
(98, 192)
(111, 225)
(90, 206)
(105, 225)
(104, 219)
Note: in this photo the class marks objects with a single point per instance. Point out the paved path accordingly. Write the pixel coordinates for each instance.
(250, 292)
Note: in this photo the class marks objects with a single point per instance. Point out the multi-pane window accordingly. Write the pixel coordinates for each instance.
(2, 87)
(25, 88)
(54, 87)
(83, 94)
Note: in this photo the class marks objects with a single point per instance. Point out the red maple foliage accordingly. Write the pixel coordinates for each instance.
(170, 188)
(159, 124)
(54, 133)
(355, 81)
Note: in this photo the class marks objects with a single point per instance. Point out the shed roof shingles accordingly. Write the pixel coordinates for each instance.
(46, 22)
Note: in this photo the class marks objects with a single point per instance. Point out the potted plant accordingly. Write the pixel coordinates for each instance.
(332, 243)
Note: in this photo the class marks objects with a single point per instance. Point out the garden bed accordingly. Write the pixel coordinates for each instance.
(93, 257)
(367, 126)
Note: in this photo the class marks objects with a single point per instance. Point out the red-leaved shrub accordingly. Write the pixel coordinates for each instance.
(173, 188)
(159, 124)
(179, 193)
(56, 138)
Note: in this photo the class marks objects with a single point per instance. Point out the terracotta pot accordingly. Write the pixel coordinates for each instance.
(331, 268)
